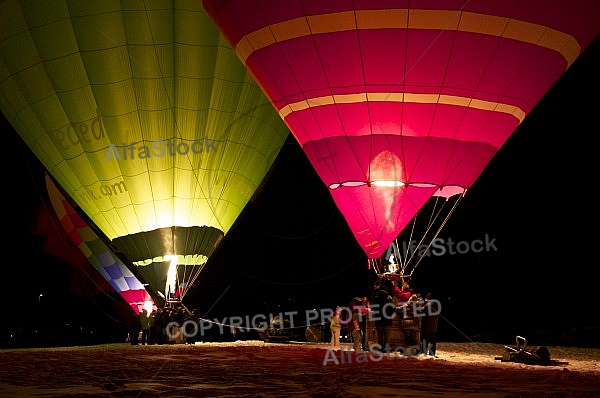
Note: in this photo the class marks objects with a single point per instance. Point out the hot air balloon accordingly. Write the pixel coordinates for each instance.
(112, 268)
(395, 102)
(145, 117)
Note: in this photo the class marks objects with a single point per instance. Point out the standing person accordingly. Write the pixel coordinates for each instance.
(335, 327)
(383, 311)
(135, 327)
(159, 326)
(357, 311)
(395, 292)
(151, 330)
(363, 320)
(383, 282)
(401, 294)
(145, 325)
(411, 326)
(429, 324)
(191, 327)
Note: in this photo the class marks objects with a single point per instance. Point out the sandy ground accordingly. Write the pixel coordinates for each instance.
(257, 369)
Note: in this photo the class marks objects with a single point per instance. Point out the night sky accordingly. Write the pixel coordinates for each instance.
(292, 250)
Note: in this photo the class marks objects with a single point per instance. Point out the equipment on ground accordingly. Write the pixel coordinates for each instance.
(530, 356)
(279, 331)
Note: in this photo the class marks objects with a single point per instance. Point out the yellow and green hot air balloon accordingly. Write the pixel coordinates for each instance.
(144, 115)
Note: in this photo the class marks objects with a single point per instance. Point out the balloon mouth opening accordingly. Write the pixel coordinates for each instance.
(180, 259)
(446, 191)
(378, 183)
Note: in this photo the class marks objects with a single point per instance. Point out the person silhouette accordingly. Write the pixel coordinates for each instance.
(429, 324)
(145, 326)
(335, 327)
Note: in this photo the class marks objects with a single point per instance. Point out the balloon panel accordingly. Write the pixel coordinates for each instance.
(395, 102)
(143, 114)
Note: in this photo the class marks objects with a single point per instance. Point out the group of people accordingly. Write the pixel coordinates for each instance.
(151, 328)
(391, 299)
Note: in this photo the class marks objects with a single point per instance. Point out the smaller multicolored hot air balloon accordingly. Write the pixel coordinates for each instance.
(98, 253)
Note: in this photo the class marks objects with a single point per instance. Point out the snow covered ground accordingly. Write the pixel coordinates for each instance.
(255, 368)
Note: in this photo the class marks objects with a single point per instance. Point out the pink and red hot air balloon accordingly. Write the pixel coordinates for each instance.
(395, 102)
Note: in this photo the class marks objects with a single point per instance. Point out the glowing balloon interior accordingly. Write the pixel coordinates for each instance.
(393, 101)
(144, 115)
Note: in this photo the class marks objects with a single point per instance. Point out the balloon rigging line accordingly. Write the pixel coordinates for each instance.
(195, 272)
(430, 222)
(414, 254)
(436, 233)
(373, 262)
(405, 261)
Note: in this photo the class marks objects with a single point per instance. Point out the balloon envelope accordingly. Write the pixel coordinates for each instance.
(144, 116)
(394, 101)
(112, 269)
